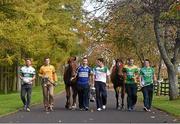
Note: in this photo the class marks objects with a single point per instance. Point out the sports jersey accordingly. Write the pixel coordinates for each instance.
(48, 71)
(83, 74)
(101, 73)
(130, 72)
(147, 75)
(27, 74)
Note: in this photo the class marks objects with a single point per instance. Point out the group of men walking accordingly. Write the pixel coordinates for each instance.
(98, 77)
(48, 78)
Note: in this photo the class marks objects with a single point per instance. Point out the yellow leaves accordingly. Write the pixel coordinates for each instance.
(173, 13)
(9, 59)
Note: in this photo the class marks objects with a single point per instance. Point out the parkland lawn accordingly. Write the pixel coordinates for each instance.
(12, 102)
(163, 103)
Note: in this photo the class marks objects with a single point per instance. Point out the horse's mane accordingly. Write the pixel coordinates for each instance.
(70, 69)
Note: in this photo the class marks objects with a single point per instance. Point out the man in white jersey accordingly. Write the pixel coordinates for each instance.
(101, 74)
(27, 76)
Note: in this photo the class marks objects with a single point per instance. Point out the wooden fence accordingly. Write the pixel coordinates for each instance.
(164, 87)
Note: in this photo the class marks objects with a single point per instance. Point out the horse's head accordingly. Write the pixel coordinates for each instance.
(72, 65)
(117, 70)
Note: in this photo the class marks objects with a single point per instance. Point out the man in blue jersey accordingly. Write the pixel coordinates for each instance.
(83, 76)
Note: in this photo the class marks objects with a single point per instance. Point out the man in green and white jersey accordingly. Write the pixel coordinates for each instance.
(27, 76)
(130, 75)
(147, 77)
(101, 74)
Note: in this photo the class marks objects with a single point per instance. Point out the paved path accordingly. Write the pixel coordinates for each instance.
(110, 115)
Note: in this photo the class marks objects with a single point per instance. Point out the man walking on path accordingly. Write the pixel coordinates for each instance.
(147, 77)
(131, 75)
(48, 74)
(83, 77)
(101, 74)
(27, 76)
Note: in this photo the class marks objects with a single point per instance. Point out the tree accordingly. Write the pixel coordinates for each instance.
(37, 29)
(156, 8)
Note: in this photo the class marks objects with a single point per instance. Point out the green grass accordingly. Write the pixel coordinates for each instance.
(12, 102)
(163, 103)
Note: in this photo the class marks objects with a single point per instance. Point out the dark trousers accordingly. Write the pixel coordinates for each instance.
(83, 95)
(131, 90)
(26, 90)
(101, 94)
(148, 95)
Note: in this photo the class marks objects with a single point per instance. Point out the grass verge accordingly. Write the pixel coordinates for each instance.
(11, 102)
(163, 103)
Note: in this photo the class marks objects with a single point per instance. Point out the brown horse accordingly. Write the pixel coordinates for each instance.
(118, 82)
(70, 82)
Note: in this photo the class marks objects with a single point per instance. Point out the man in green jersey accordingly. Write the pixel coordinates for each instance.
(131, 74)
(147, 76)
(101, 76)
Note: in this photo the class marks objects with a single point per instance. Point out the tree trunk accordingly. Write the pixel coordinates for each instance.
(5, 81)
(173, 84)
(170, 67)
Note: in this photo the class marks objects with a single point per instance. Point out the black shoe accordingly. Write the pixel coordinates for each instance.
(145, 109)
(86, 108)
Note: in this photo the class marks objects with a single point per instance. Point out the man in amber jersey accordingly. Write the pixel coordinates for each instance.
(48, 74)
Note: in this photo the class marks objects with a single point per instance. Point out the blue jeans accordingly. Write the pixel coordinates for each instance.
(83, 95)
(131, 90)
(26, 90)
(148, 95)
(101, 94)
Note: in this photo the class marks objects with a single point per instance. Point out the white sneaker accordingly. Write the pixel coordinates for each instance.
(99, 109)
(28, 110)
(104, 107)
(74, 106)
(149, 110)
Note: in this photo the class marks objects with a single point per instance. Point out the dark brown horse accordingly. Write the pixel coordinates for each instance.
(70, 82)
(118, 83)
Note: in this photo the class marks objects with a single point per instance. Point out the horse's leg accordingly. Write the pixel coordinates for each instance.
(117, 96)
(74, 89)
(68, 94)
(122, 95)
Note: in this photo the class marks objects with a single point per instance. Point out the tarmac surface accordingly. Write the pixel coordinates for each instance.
(110, 115)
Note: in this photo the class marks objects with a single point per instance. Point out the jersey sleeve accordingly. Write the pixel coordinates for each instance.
(107, 72)
(41, 71)
(54, 74)
(141, 73)
(34, 72)
(137, 70)
(20, 71)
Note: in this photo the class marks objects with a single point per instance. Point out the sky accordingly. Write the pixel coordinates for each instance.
(92, 5)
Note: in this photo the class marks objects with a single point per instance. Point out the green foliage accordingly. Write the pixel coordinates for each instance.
(37, 29)
(132, 33)
(173, 13)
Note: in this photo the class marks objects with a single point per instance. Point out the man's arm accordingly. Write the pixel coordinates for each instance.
(40, 72)
(33, 78)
